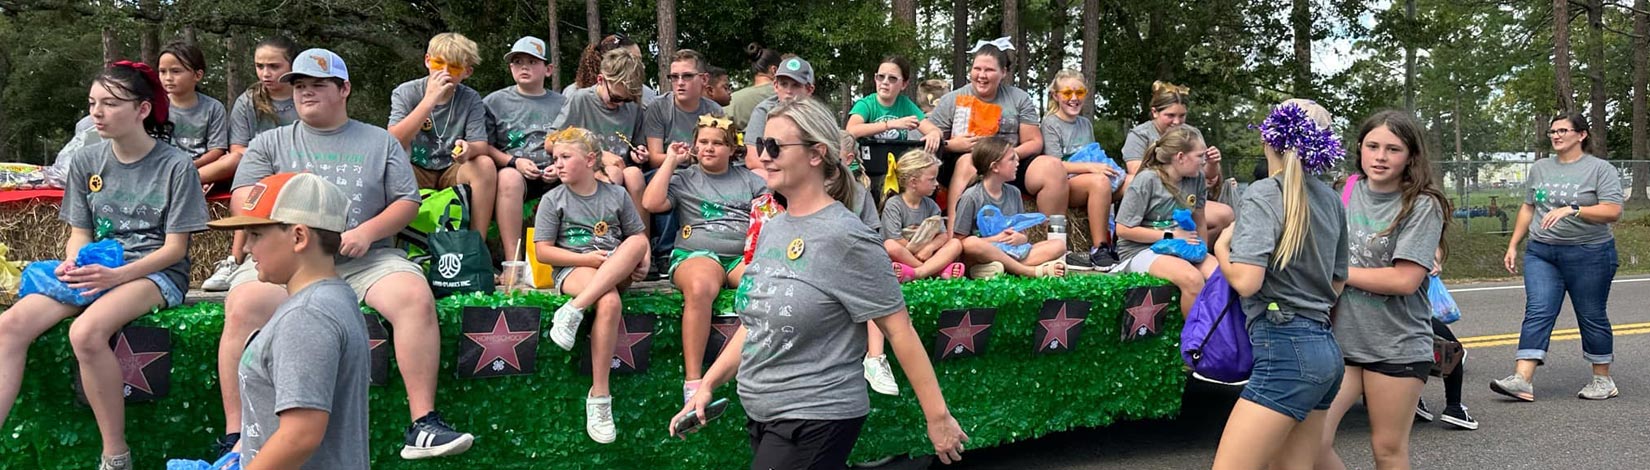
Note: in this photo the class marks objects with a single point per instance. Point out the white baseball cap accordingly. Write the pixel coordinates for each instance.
(528, 45)
(317, 63)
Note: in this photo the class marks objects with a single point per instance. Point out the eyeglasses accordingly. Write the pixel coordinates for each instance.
(1560, 132)
(770, 147)
(884, 77)
(1072, 94)
(614, 97)
(682, 76)
(452, 68)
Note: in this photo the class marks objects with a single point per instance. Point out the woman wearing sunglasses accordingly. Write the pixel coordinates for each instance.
(887, 114)
(1065, 131)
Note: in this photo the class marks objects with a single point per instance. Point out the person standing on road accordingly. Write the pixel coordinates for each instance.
(1570, 201)
(1287, 257)
(1395, 215)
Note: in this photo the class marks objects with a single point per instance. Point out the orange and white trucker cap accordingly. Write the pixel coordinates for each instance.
(292, 198)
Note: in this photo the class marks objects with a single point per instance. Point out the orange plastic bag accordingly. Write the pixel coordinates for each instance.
(976, 117)
(543, 275)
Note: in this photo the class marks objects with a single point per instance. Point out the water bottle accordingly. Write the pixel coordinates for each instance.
(1057, 228)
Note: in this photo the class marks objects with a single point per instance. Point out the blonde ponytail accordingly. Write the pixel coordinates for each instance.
(1297, 216)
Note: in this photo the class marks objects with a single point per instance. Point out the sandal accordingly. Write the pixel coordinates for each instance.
(952, 271)
(986, 270)
(1056, 268)
(904, 272)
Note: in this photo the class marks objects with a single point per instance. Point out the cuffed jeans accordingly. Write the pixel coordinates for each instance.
(1585, 273)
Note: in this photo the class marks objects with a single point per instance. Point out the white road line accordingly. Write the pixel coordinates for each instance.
(1483, 289)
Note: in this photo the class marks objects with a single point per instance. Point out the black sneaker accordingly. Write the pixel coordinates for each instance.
(1421, 411)
(432, 437)
(1078, 261)
(1457, 416)
(226, 443)
(1103, 258)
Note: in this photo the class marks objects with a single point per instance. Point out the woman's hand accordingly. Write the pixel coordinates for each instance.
(1511, 260)
(947, 436)
(931, 142)
(696, 405)
(1555, 215)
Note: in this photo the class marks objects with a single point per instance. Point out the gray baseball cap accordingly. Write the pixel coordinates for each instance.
(528, 45)
(317, 63)
(797, 69)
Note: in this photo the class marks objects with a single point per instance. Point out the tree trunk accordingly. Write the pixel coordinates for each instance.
(1157, 27)
(1542, 145)
(1409, 56)
(151, 35)
(667, 40)
(593, 20)
(553, 44)
(232, 69)
(1057, 39)
(1011, 30)
(111, 46)
(905, 14)
(1641, 75)
(5, 127)
(959, 43)
(1091, 49)
(1561, 57)
(189, 35)
(1300, 20)
(1595, 74)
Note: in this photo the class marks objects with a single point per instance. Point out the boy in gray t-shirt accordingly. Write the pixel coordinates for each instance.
(305, 372)
(616, 128)
(519, 122)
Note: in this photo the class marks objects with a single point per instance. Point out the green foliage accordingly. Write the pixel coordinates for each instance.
(1004, 396)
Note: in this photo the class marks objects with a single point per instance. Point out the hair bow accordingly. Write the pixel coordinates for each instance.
(1002, 43)
(159, 104)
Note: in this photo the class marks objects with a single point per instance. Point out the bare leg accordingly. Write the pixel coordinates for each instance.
(1094, 191)
(604, 331)
(20, 325)
(99, 371)
(1185, 276)
(961, 177)
(979, 251)
(1254, 436)
(1352, 389)
(699, 279)
(483, 179)
(1046, 179)
(620, 264)
(1391, 402)
(512, 191)
(947, 254)
(405, 300)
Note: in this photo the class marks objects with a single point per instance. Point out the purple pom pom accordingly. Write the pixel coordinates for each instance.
(1288, 127)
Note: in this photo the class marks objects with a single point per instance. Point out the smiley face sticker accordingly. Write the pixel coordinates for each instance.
(600, 229)
(794, 250)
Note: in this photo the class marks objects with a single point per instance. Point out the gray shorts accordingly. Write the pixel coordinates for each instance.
(361, 273)
(1139, 263)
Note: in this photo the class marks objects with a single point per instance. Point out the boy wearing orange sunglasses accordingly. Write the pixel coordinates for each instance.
(442, 124)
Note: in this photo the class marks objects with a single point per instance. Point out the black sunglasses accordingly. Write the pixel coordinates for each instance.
(614, 97)
(770, 147)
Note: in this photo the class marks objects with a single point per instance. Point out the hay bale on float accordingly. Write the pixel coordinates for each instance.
(33, 232)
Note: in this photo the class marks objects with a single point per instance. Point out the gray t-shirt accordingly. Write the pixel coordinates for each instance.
(897, 217)
(362, 159)
(1148, 203)
(519, 123)
(745, 101)
(245, 123)
(582, 224)
(1138, 139)
(585, 110)
(805, 315)
(758, 121)
(975, 197)
(202, 128)
(462, 117)
(1017, 109)
(313, 355)
(714, 210)
(1584, 182)
(136, 204)
(664, 121)
(649, 94)
(1387, 328)
(867, 210)
(1062, 139)
(1306, 287)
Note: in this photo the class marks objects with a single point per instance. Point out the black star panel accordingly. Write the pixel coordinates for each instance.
(498, 342)
(1144, 309)
(145, 358)
(963, 333)
(635, 344)
(378, 343)
(1059, 326)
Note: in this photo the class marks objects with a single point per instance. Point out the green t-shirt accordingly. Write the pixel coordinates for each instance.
(872, 110)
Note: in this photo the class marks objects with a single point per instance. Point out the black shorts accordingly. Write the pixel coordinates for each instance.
(1020, 175)
(801, 444)
(1408, 370)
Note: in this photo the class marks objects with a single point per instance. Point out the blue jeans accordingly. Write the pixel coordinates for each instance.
(1583, 271)
(1298, 366)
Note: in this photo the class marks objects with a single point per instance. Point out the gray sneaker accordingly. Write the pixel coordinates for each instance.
(1602, 388)
(118, 462)
(1518, 388)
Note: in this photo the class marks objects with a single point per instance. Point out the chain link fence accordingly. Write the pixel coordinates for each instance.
(1488, 193)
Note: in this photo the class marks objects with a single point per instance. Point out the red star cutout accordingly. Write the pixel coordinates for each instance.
(727, 330)
(1057, 328)
(1142, 315)
(627, 339)
(499, 344)
(962, 335)
(132, 364)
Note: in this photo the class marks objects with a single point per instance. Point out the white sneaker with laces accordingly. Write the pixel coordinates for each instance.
(219, 281)
(881, 375)
(564, 326)
(598, 419)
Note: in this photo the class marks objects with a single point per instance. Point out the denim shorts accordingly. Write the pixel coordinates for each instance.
(1298, 366)
(169, 292)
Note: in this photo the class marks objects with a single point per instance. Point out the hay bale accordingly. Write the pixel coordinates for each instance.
(1077, 227)
(33, 232)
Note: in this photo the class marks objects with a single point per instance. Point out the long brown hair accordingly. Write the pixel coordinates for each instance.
(1161, 153)
(590, 61)
(987, 152)
(262, 102)
(1418, 178)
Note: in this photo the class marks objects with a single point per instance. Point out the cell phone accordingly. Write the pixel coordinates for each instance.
(691, 421)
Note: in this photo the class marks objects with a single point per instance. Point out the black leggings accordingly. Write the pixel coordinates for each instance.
(798, 444)
(1452, 383)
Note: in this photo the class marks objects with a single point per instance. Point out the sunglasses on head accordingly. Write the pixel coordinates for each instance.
(770, 147)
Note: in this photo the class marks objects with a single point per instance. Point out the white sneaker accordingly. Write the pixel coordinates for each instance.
(118, 462)
(881, 375)
(598, 419)
(564, 326)
(219, 281)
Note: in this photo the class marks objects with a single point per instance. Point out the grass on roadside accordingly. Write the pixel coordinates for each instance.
(1476, 252)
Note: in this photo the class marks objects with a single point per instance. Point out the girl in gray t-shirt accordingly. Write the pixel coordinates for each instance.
(1395, 220)
(913, 230)
(981, 250)
(1168, 182)
(134, 189)
(200, 123)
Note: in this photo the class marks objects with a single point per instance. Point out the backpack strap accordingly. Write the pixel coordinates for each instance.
(1346, 191)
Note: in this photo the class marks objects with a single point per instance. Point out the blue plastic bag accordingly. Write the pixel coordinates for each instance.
(40, 277)
(229, 461)
(1443, 304)
(1092, 153)
(1192, 253)
(991, 221)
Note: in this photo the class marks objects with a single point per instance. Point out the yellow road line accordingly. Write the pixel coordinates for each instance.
(1558, 335)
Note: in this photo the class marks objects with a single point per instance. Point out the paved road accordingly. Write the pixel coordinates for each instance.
(1557, 431)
